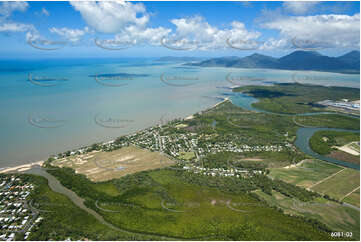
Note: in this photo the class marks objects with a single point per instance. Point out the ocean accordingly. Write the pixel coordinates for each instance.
(51, 106)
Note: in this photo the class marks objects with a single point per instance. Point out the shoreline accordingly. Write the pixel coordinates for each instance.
(21, 167)
(28, 166)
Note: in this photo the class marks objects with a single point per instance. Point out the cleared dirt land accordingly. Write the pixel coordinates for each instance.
(341, 155)
(103, 166)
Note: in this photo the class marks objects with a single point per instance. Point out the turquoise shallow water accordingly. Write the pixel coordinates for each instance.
(46, 116)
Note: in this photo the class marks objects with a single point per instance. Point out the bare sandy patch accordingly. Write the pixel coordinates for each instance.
(103, 166)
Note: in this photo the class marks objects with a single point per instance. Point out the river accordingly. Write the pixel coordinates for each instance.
(303, 133)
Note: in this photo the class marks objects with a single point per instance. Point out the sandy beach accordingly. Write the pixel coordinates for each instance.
(21, 167)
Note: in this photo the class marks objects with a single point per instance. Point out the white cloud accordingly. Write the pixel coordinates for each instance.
(6, 8)
(112, 17)
(326, 30)
(15, 27)
(196, 30)
(72, 35)
(297, 7)
(32, 35)
(128, 21)
(139, 35)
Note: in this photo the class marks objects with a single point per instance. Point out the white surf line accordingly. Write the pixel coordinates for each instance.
(348, 194)
(327, 178)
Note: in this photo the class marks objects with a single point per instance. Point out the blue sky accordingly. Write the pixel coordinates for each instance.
(151, 29)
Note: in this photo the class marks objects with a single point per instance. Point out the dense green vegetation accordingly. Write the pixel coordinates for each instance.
(329, 121)
(254, 128)
(139, 198)
(295, 98)
(63, 219)
(322, 141)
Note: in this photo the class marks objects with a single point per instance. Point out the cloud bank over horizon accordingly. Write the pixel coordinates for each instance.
(132, 24)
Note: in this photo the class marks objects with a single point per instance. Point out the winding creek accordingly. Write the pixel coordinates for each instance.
(304, 133)
(302, 142)
(56, 186)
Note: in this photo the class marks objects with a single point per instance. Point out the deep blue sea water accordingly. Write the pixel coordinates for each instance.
(68, 103)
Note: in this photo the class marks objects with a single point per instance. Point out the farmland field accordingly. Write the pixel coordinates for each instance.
(353, 198)
(305, 174)
(339, 185)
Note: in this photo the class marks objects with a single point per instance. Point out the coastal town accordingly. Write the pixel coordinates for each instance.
(17, 217)
(175, 142)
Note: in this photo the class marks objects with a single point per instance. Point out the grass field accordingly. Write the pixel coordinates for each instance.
(187, 155)
(161, 202)
(353, 198)
(334, 215)
(339, 185)
(305, 174)
(103, 166)
(322, 177)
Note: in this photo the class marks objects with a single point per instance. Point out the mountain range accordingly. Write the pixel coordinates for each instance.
(181, 58)
(298, 60)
